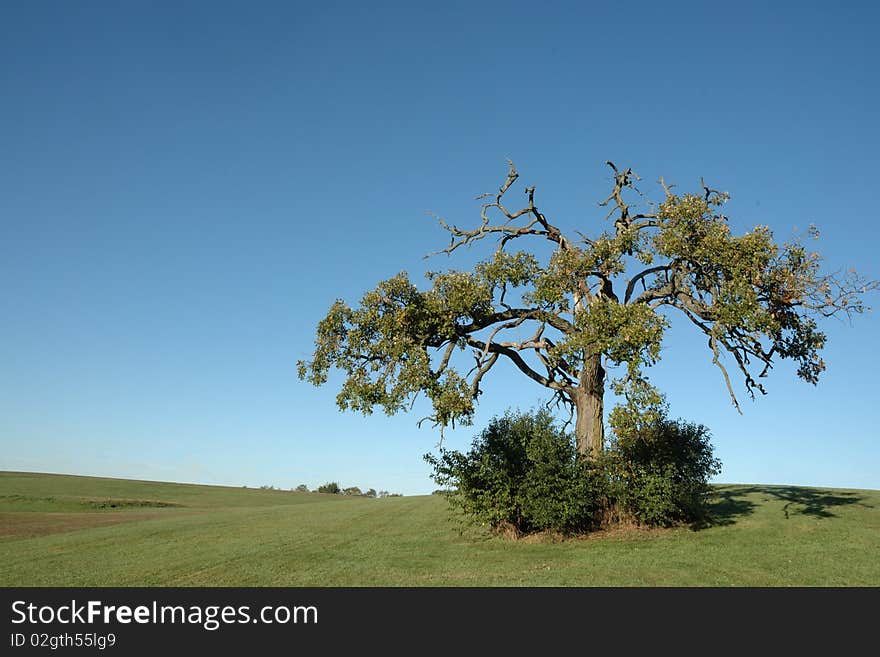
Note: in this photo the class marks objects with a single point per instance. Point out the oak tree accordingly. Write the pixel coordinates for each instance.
(589, 305)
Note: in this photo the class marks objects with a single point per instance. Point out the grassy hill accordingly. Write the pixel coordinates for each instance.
(58, 530)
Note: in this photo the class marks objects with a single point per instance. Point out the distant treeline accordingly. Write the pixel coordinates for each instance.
(333, 488)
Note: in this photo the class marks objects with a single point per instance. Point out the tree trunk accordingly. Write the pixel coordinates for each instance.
(588, 402)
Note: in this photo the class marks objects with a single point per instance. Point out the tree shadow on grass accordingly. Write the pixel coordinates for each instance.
(732, 503)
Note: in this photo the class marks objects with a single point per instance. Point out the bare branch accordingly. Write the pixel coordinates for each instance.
(446, 356)
(501, 300)
(715, 360)
(716, 337)
(517, 360)
(834, 295)
(742, 362)
(553, 369)
(562, 398)
(481, 371)
(512, 175)
(640, 277)
(559, 323)
(560, 363)
(706, 190)
(508, 325)
(621, 181)
(506, 230)
(679, 291)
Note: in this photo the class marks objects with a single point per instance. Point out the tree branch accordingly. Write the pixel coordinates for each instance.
(640, 277)
(713, 344)
(507, 231)
(517, 360)
(446, 356)
(482, 368)
(559, 323)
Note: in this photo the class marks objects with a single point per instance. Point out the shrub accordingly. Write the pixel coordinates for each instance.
(523, 474)
(560, 491)
(302, 488)
(330, 487)
(660, 474)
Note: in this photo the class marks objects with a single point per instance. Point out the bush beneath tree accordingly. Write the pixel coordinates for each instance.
(523, 475)
(660, 474)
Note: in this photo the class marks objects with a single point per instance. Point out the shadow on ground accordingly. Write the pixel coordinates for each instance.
(731, 504)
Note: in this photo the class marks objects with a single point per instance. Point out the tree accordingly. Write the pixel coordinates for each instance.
(352, 490)
(330, 487)
(564, 318)
(302, 488)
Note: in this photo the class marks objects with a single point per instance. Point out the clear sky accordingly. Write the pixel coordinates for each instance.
(185, 188)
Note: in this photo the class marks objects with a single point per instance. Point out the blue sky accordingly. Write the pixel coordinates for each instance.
(186, 187)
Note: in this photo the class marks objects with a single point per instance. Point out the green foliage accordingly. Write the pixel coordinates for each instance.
(659, 472)
(331, 487)
(521, 473)
(382, 346)
(524, 473)
(352, 490)
(508, 269)
(302, 488)
(627, 335)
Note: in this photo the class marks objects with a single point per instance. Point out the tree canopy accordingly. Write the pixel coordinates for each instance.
(594, 302)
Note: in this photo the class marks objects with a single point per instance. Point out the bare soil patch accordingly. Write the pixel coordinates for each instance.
(29, 525)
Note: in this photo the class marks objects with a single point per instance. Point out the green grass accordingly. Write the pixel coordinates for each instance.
(60, 531)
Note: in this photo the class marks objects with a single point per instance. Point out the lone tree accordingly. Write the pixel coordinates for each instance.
(565, 316)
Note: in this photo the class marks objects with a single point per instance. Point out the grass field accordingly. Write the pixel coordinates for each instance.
(58, 530)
